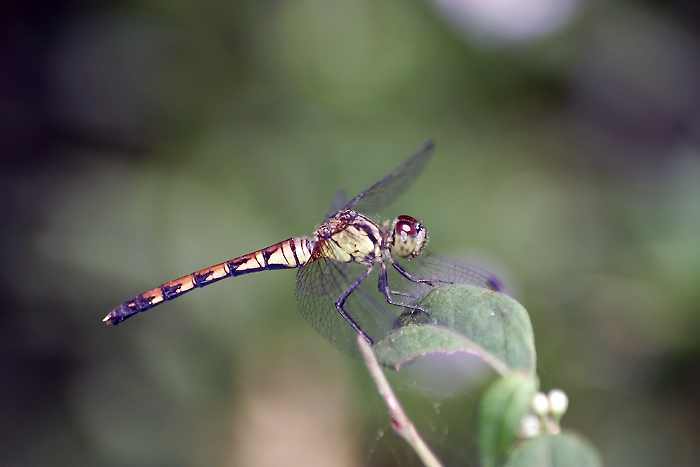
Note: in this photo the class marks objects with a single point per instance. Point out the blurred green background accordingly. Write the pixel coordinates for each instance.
(142, 140)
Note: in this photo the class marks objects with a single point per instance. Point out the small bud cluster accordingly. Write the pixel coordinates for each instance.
(547, 410)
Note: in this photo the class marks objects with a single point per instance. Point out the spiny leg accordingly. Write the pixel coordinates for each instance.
(384, 288)
(339, 304)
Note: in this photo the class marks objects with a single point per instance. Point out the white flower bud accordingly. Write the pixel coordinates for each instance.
(530, 426)
(558, 403)
(539, 404)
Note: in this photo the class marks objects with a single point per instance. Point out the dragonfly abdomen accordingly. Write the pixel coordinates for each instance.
(291, 253)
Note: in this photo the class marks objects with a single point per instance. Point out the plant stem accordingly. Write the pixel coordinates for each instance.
(402, 425)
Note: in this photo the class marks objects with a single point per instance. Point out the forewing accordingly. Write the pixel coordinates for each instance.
(318, 286)
(339, 202)
(386, 190)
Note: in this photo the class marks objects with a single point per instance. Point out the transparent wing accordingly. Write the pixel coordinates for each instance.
(339, 202)
(318, 286)
(386, 190)
(445, 270)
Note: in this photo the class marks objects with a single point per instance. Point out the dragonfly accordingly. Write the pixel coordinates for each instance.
(334, 264)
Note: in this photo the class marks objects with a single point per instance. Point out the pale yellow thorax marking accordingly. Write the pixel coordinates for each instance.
(333, 251)
(353, 244)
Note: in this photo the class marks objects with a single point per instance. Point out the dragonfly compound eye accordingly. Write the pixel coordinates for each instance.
(409, 237)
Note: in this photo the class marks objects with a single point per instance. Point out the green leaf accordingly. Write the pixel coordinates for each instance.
(468, 319)
(564, 450)
(409, 342)
(502, 407)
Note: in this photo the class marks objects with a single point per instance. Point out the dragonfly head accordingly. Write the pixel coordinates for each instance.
(409, 237)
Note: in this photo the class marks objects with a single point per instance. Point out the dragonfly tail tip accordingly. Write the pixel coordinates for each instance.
(109, 319)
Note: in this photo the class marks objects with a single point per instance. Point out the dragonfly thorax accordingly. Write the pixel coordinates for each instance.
(410, 237)
(348, 237)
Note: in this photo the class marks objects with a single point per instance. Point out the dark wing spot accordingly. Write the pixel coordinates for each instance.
(495, 284)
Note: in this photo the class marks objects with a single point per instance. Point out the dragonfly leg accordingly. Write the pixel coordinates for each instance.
(384, 288)
(339, 304)
(412, 278)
